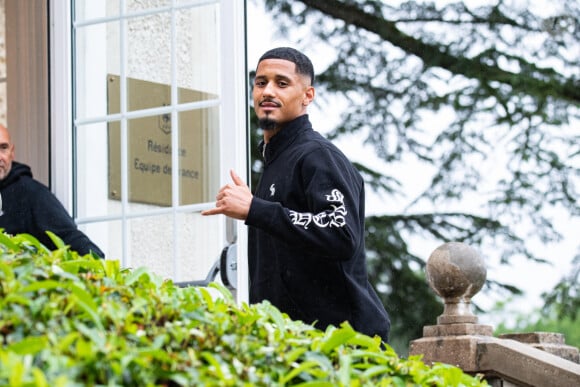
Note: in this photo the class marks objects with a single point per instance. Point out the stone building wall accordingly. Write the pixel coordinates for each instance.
(2, 64)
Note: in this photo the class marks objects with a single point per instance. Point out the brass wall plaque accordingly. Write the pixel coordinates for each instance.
(149, 165)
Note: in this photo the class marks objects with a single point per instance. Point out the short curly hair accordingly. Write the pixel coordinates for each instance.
(302, 62)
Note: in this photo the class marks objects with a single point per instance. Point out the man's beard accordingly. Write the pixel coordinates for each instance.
(267, 123)
(4, 171)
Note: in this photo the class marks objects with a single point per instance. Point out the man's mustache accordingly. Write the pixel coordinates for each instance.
(269, 100)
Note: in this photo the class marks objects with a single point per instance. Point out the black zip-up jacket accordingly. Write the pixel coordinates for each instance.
(29, 207)
(306, 234)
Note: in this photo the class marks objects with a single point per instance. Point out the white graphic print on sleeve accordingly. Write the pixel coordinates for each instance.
(335, 218)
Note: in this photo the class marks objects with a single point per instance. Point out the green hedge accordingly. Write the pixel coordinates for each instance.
(67, 320)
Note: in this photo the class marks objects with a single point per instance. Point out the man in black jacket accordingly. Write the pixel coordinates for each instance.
(27, 206)
(306, 218)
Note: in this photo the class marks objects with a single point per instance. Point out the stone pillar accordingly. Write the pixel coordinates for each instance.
(456, 272)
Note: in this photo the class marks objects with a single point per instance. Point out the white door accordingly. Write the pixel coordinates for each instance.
(149, 113)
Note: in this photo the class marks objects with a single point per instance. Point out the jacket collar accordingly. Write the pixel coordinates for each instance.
(17, 170)
(284, 138)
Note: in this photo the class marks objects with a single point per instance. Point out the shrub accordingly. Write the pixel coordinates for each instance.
(70, 320)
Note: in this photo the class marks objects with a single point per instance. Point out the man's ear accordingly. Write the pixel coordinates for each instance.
(308, 95)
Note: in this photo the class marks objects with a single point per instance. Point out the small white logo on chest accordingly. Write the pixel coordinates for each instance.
(272, 190)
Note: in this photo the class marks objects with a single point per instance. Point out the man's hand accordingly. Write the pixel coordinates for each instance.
(232, 200)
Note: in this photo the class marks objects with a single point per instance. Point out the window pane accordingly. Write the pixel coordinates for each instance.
(99, 56)
(148, 173)
(100, 234)
(151, 243)
(198, 155)
(181, 3)
(92, 173)
(149, 60)
(200, 241)
(86, 10)
(198, 51)
(154, 239)
(140, 5)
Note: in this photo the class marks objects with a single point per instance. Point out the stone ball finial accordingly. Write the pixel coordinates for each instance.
(456, 272)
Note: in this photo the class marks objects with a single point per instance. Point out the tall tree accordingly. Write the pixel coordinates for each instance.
(462, 93)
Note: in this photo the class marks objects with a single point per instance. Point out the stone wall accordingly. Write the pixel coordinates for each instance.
(2, 64)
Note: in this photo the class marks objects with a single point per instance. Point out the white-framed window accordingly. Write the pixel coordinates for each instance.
(148, 116)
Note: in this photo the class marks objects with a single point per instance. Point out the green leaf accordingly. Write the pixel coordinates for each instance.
(274, 313)
(74, 266)
(214, 363)
(42, 285)
(24, 237)
(294, 354)
(67, 340)
(85, 297)
(40, 379)
(85, 349)
(207, 297)
(97, 336)
(6, 270)
(112, 267)
(29, 345)
(7, 241)
(135, 275)
(16, 374)
(376, 371)
(14, 298)
(337, 337)
(316, 383)
(345, 371)
(364, 341)
(225, 292)
(86, 302)
(302, 367)
(58, 242)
